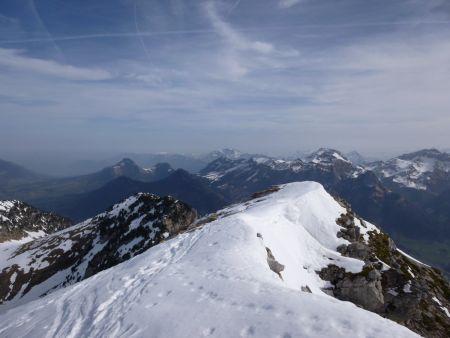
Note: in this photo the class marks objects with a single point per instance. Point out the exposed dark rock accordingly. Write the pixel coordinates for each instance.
(306, 289)
(356, 250)
(266, 192)
(18, 218)
(390, 283)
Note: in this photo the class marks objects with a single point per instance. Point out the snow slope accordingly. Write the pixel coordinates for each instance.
(215, 281)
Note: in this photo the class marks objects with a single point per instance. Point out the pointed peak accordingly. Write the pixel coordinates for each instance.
(326, 156)
(126, 162)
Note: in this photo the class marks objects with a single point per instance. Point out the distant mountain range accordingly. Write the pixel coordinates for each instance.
(34, 188)
(180, 184)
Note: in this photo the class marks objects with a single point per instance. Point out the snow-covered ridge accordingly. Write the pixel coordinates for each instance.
(217, 281)
(32, 269)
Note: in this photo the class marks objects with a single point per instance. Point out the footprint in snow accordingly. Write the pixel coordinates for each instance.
(247, 331)
(208, 331)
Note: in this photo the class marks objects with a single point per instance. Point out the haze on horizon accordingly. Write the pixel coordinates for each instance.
(268, 76)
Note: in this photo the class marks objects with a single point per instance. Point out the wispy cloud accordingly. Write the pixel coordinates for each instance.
(13, 58)
(288, 3)
(235, 39)
(241, 54)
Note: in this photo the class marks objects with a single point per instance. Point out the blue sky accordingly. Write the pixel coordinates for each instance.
(271, 76)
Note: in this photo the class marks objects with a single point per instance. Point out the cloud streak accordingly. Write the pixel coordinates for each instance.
(288, 3)
(11, 58)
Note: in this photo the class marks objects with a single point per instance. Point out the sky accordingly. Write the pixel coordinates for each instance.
(88, 77)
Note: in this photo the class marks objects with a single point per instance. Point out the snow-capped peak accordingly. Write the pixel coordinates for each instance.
(326, 156)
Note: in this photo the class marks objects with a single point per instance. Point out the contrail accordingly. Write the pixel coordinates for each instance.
(41, 23)
(234, 6)
(144, 47)
(108, 35)
(213, 32)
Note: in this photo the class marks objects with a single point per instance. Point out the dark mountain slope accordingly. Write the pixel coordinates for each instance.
(397, 215)
(13, 176)
(44, 191)
(180, 184)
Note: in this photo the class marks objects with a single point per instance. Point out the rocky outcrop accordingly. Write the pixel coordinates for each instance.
(19, 220)
(274, 265)
(391, 284)
(126, 230)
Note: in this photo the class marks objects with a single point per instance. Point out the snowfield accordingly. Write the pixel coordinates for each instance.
(215, 281)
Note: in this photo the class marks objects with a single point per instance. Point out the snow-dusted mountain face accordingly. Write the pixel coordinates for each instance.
(276, 266)
(227, 153)
(326, 156)
(427, 169)
(22, 222)
(129, 168)
(358, 159)
(30, 270)
(239, 178)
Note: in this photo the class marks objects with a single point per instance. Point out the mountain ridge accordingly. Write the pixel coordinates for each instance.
(292, 250)
(33, 269)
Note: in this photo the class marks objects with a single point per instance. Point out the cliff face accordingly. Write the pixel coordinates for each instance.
(391, 283)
